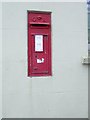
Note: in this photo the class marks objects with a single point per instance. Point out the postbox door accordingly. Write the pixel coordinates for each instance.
(39, 43)
(40, 54)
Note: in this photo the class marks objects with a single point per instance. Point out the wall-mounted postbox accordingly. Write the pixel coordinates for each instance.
(39, 43)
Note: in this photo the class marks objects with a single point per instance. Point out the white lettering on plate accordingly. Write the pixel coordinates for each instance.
(40, 60)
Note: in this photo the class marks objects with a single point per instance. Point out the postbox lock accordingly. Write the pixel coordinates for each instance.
(35, 56)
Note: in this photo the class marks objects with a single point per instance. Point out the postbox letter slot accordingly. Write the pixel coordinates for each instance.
(39, 24)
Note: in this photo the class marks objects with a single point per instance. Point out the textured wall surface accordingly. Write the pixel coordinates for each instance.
(89, 92)
(65, 94)
(0, 60)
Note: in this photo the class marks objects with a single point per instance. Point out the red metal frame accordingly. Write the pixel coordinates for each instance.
(39, 23)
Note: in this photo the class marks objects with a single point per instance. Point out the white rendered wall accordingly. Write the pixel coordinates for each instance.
(89, 92)
(63, 95)
(0, 60)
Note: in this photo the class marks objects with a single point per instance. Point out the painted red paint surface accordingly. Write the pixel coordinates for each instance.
(39, 43)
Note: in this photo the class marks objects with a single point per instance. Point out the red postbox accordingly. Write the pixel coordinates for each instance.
(39, 43)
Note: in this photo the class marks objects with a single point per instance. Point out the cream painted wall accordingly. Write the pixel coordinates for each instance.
(65, 94)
